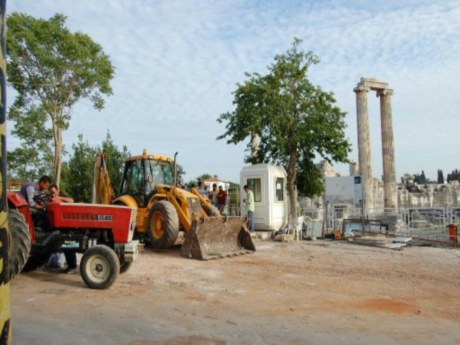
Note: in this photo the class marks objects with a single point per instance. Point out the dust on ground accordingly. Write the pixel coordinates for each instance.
(318, 292)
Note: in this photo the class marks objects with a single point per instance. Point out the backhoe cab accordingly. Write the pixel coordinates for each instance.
(149, 184)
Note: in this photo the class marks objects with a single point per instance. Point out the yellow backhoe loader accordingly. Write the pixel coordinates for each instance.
(149, 185)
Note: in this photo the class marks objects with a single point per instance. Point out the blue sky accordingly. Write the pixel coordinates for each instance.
(178, 62)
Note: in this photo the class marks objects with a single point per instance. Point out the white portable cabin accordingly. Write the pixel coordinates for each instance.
(268, 183)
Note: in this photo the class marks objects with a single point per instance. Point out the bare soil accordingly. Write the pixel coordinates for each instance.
(317, 292)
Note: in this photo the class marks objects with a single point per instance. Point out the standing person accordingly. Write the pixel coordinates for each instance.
(221, 199)
(250, 207)
(213, 194)
(70, 257)
(202, 189)
(33, 193)
(205, 191)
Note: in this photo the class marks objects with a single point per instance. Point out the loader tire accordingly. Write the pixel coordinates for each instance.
(99, 267)
(163, 226)
(20, 243)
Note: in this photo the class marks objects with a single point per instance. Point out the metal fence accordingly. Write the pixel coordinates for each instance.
(423, 223)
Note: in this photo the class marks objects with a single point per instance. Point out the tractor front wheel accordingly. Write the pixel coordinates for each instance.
(99, 267)
(19, 248)
(163, 226)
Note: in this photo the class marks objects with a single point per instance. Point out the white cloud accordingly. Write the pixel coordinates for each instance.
(177, 63)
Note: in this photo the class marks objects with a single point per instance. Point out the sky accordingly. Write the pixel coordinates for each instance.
(178, 62)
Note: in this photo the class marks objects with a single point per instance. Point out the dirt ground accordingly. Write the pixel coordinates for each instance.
(318, 292)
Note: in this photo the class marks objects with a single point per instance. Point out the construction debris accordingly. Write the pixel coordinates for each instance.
(381, 241)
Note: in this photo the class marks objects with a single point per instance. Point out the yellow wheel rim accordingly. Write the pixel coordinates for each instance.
(158, 227)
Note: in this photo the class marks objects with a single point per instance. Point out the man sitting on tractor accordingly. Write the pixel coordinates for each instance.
(70, 257)
(34, 193)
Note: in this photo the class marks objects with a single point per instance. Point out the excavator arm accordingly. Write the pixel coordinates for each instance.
(102, 192)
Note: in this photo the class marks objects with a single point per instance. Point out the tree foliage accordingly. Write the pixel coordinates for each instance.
(421, 179)
(180, 174)
(51, 69)
(440, 176)
(195, 181)
(115, 160)
(34, 157)
(453, 176)
(81, 170)
(295, 120)
(79, 177)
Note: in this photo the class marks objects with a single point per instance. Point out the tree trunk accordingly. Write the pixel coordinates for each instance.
(57, 133)
(58, 157)
(291, 178)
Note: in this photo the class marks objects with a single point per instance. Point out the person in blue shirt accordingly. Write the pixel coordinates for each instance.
(34, 192)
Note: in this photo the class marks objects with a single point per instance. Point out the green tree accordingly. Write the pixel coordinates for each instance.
(81, 170)
(453, 176)
(180, 174)
(295, 120)
(310, 179)
(34, 157)
(78, 173)
(202, 177)
(115, 160)
(51, 69)
(440, 176)
(421, 179)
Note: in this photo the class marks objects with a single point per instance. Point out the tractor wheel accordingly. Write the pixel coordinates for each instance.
(99, 267)
(163, 226)
(211, 210)
(125, 266)
(20, 244)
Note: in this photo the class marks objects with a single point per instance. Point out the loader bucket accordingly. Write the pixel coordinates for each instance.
(216, 237)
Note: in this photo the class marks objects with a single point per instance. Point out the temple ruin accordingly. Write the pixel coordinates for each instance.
(364, 144)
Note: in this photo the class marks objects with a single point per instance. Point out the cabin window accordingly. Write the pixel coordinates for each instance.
(255, 185)
(279, 189)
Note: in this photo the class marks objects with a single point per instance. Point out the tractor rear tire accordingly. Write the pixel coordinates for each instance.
(20, 243)
(99, 267)
(163, 226)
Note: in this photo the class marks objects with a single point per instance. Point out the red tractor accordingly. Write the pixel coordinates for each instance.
(103, 233)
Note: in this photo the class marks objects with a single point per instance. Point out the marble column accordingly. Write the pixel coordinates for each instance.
(388, 151)
(364, 147)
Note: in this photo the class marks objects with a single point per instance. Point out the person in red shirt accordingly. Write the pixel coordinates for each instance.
(221, 199)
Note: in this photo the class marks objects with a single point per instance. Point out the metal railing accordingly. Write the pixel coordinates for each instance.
(422, 222)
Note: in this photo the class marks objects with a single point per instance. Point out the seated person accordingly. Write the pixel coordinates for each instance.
(70, 257)
(56, 195)
(33, 192)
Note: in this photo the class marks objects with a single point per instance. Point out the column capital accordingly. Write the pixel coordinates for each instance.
(361, 88)
(385, 92)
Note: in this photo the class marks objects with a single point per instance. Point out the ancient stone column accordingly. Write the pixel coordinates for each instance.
(388, 151)
(364, 147)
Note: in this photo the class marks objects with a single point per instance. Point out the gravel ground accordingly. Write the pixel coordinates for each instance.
(318, 292)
